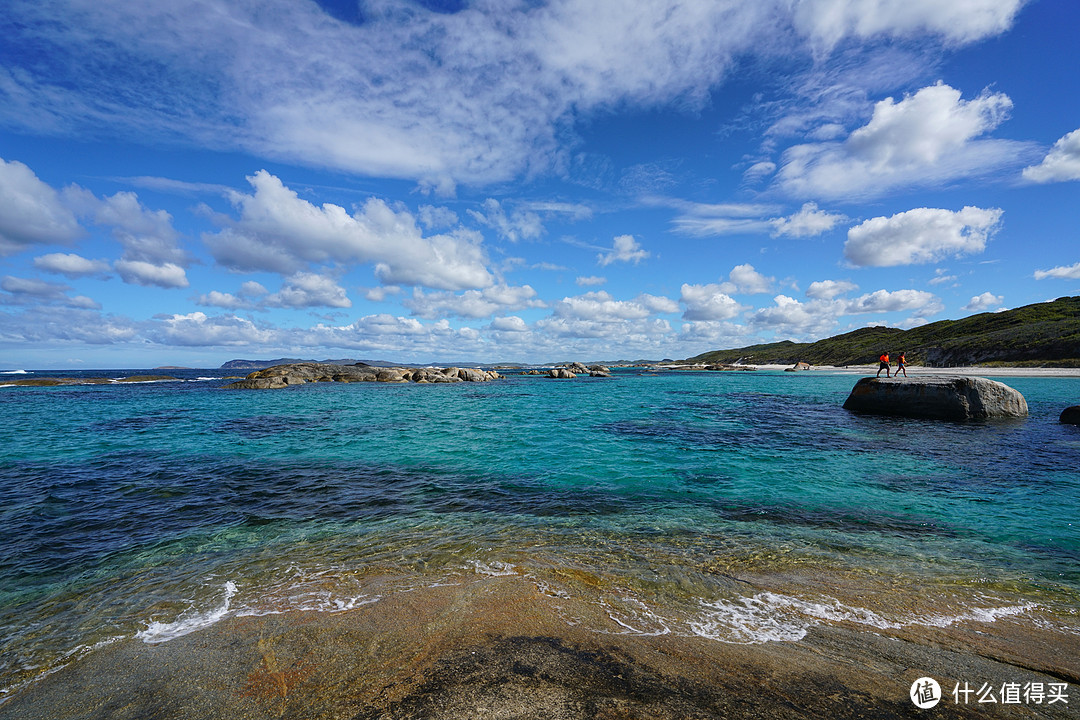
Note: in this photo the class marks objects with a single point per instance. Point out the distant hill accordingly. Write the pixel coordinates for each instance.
(1044, 334)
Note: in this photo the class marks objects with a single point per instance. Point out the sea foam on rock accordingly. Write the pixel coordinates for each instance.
(937, 397)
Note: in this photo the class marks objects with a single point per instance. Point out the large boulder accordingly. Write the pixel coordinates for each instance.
(1071, 415)
(937, 397)
(561, 373)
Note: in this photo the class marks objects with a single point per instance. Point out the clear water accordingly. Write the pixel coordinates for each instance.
(744, 507)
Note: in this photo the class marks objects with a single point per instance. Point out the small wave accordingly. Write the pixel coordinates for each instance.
(771, 617)
(188, 622)
(14, 372)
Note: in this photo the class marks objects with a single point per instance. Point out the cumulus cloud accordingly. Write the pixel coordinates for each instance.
(140, 272)
(1063, 272)
(510, 323)
(1061, 163)
(624, 249)
(880, 301)
(306, 290)
(31, 212)
(472, 303)
(921, 235)
(829, 289)
(70, 265)
(746, 280)
(789, 317)
(708, 302)
(924, 139)
(198, 329)
(279, 232)
(984, 302)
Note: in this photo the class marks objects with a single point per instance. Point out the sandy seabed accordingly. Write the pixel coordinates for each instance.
(500, 647)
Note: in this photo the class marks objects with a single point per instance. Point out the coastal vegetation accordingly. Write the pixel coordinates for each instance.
(1039, 335)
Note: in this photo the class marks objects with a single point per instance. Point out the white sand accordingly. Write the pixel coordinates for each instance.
(915, 371)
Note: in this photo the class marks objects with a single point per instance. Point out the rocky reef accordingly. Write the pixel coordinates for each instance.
(937, 397)
(290, 374)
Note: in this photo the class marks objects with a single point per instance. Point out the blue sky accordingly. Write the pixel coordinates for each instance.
(195, 181)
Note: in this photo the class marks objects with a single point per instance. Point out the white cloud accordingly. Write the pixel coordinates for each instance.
(657, 304)
(305, 290)
(70, 265)
(940, 277)
(1069, 272)
(703, 220)
(198, 329)
(510, 323)
(519, 225)
(600, 307)
(437, 218)
(759, 171)
(228, 301)
(984, 302)
(708, 302)
(926, 139)
(1061, 163)
(590, 281)
(829, 289)
(921, 235)
(31, 212)
(139, 272)
(923, 302)
(624, 249)
(960, 21)
(746, 280)
(807, 222)
(472, 303)
(791, 318)
(279, 232)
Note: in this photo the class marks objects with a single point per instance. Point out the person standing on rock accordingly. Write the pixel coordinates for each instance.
(901, 364)
(883, 364)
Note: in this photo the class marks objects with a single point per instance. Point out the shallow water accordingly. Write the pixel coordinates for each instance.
(741, 507)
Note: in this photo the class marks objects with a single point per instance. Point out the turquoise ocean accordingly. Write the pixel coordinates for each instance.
(743, 507)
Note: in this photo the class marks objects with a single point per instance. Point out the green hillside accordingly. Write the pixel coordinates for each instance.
(1044, 334)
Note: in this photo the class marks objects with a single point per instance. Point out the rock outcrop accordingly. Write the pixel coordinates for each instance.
(937, 397)
(797, 367)
(281, 376)
(1071, 415)
(561, 373)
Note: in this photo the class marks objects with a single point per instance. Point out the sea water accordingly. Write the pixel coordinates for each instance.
(742, 507)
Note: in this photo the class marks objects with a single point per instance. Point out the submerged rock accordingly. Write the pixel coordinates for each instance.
(939, 397)
(281, 376)
(1071, 415)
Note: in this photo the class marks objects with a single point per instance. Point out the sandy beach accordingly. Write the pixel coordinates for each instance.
(974, 371)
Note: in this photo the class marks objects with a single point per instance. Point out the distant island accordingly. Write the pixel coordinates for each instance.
(1040, 335)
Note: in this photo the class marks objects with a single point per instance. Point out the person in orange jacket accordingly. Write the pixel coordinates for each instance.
(883, 365)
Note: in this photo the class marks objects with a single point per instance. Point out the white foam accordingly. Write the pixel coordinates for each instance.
(496, 568)
(13, 372)
(636, 618)
(188, 622)
(771, 617)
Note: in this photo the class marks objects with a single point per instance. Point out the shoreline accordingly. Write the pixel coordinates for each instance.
(501, 647)
(916, 370)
